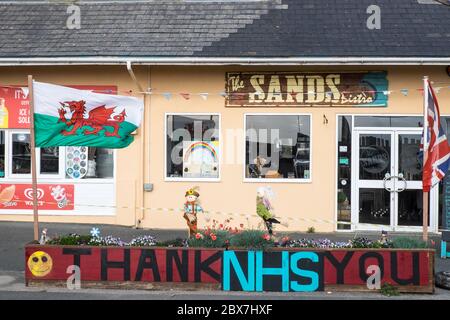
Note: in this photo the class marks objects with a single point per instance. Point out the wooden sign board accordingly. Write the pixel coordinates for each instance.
(296, 89)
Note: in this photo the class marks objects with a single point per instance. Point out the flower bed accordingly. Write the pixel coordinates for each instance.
(234, 260)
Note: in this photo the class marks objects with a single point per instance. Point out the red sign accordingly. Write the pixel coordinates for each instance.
(126, 264)
(50, 196)
(15, 106)
(410, 270)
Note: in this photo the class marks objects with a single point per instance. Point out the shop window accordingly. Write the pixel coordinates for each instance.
(89, 162)
(192, 146)
(389, 121)
(21, 153)
(68, 162)
(278, 147)
(49, 160)
(344, 161)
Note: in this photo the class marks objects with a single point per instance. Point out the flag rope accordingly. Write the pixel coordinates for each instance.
(212, 212)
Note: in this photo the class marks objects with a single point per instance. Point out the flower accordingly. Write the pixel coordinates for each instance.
(198, 236)
(213, 237)
(266, 237)
(146, 240)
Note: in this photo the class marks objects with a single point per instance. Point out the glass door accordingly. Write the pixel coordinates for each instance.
(374, 166)
(388, 186)
(408, 171)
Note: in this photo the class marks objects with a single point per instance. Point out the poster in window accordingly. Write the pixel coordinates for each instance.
(50, 196)
(200, 159)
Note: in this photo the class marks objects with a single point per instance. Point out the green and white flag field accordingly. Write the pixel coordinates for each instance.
(69, 117)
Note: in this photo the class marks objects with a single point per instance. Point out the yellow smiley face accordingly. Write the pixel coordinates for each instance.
(40, 263)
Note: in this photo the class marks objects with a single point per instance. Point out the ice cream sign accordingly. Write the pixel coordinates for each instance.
(294, 89)
(50, 196)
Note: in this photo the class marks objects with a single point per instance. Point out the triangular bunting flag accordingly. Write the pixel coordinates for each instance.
(404, 92)
(167, 95)
(187, 96)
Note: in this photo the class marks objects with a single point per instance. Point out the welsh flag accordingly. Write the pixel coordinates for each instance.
(69, 117)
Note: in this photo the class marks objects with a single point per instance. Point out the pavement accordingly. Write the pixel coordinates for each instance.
(14, 235)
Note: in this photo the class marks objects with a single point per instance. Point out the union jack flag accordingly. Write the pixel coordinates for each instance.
(437, 148)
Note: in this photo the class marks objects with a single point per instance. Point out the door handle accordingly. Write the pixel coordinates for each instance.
(402, 179)
(387, 177)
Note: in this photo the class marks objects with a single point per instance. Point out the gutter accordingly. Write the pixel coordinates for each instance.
(224, 61)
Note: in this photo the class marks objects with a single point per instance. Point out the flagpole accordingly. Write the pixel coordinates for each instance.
(425, 156)
(33, 161)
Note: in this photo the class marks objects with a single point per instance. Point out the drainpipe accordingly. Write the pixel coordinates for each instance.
(139, 188)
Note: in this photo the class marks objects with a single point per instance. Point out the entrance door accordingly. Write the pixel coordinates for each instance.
(387, 186)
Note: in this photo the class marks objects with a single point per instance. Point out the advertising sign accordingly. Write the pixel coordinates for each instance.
(50, 196)
(295, 89)
(15, 106)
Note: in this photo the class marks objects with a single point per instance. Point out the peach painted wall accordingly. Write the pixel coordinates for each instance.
(316, 199)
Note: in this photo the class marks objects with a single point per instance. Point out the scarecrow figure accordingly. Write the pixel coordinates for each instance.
(264, 207)
(191, 208)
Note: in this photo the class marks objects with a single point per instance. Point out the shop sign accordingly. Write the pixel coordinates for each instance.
(295, 89)
(50, 196)
(15, 106)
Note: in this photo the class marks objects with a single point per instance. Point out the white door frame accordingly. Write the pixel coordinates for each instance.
(393, 184)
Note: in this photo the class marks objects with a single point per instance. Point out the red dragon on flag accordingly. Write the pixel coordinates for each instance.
(98, 118)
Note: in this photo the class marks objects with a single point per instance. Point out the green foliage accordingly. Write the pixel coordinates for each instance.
(209, 239)
(72, 239)
(252, 239)
(409, 243)
(178, 242)
(389, 290)
(360, 242)
(311, 230)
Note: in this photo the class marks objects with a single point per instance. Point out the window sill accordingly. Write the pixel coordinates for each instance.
(272, 180)
(57, 180)
(168, 179)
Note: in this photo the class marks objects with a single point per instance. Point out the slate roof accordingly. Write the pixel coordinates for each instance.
(202, 28)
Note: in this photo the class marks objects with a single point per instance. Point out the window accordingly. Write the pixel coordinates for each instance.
(278, 147)
(54, 162)
(344, 161)
(89, 162)
(49, 160)
(21, 153)
(192, 146)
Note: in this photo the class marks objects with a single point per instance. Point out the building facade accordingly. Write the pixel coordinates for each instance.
(335, 134)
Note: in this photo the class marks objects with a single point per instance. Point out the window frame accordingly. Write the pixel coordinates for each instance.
(181, 179)
(60, 176)
(281, 180)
